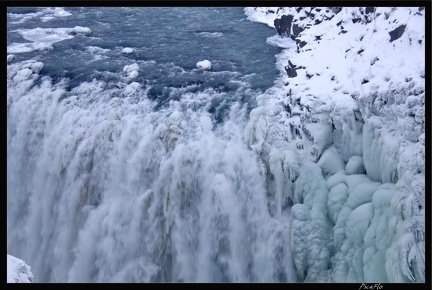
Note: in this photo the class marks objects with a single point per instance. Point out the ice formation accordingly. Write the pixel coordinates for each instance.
(204, 65)
(350, 103)
(43, 38)
(45, 15)
(127, 50)
(18, 271)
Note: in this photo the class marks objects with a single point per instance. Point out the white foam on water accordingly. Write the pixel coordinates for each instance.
(131, 70)
(210, 34)
(151, 195)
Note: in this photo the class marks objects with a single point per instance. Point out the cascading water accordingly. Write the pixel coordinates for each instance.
(118, 178)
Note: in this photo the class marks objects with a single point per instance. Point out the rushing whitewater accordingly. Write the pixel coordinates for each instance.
(132, 176)
(169, 147)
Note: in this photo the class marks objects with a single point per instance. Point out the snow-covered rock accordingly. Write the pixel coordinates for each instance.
(350, 97)
(18, 271)
(204, 65)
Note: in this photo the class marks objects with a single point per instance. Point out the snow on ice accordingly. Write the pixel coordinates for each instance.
(359, 74)
(18, 271)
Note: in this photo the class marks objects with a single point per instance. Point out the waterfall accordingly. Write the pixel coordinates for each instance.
(103, 187)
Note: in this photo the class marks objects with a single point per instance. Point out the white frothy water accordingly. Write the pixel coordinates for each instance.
(106, 189)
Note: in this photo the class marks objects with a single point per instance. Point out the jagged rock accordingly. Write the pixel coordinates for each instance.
(370, 10)
(297, 30)
(374, 60)
(329, 17)
(288, 108)
(283, 25)
(397, 33)
(310, 14)
(300, 43)
(336, 10)
(291, 70)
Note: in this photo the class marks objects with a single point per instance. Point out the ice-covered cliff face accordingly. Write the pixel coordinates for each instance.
(343, 134)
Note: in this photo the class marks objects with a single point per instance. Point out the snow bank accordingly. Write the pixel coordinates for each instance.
(349, 99)
(204, 65)
(18, 271)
